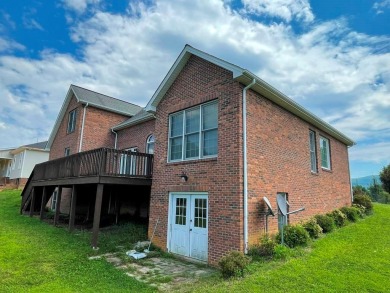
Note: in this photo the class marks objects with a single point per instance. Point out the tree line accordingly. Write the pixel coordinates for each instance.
(377, 191)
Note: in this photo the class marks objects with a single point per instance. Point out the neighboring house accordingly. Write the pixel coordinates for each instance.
(17, 163)
(198, 159)
(5, 165)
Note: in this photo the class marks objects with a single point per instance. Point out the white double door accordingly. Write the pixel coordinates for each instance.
(189, 225)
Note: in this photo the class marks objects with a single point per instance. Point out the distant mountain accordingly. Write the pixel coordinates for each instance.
(365, 181)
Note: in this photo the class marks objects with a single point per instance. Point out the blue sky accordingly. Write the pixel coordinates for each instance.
(332, 57)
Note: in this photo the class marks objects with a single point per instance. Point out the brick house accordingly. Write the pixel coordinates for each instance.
(217, 140)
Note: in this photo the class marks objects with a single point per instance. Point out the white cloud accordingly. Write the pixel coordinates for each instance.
(79, 6)
(284, 9)
(375, 153)
(7, 45)
(329, 69)
(31, 23)
(380, 6)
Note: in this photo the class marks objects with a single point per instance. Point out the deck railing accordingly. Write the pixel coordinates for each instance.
(97, 162)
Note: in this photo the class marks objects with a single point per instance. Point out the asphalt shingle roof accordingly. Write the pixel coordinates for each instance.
(105, 102)
(38, 145)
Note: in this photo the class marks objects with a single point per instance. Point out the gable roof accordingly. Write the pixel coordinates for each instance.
(245, 77)
(94, 99)
(39, 146)
(141, 116)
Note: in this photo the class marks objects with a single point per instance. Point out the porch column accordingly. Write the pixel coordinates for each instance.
(72, 208)
(32, 203)
(58, 206)
(96, 217)
(43, 203)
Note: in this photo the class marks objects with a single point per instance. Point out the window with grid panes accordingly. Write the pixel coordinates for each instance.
(193, 133)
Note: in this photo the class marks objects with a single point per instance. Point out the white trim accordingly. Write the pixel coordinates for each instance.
(178, 66)
(245, 77)
(327, 140)
(82, 127)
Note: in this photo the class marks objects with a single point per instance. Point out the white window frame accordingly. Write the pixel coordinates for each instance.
(329, 165)
(71, 121)
(313, 151)
(150, 141)
(67, 152)
(201, 131)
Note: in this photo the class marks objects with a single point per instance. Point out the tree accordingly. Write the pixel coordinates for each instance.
(358, 189)
(374, 190)
(384, 175)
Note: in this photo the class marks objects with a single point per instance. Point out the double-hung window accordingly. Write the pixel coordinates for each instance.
(325, 152)
(193, 133)
(313, 151)
(72, 121)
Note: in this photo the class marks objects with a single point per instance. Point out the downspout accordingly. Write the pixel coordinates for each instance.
(82, 127)
(349, 172)
(116, 137)
(245, 165)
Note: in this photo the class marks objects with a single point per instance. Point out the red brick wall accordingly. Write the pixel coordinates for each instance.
(97, 130)
(135, 136)
(200, 82)
(62, 139)
(279, 161)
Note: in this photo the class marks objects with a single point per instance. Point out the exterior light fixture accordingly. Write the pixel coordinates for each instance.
(184, 177)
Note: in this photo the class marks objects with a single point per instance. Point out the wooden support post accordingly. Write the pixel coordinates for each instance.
(32, 203)
(73, 208)
(43, 203)
(96, 217)
(58, 206)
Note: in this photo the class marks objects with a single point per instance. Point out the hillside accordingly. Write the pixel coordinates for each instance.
(365, 181)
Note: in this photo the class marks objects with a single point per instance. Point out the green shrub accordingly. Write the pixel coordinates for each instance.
(361, 210)
(294, 236)
(352, 213)
(365, 201)
(312, 227)
(281, 251)
(326, 223)
(264, 249)
(340, 219)
(233, 264)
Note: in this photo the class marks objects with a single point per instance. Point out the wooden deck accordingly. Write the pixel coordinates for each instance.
(99, 167)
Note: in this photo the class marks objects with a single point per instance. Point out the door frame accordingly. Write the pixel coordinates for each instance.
(171, 209)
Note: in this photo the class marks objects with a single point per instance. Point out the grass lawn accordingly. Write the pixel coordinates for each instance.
(355, 258)
(37, 257)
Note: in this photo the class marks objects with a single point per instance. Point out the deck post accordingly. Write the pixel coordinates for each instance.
(96, 217)
(58, 206)
(32, 203)
(73, 208)
(43, 203)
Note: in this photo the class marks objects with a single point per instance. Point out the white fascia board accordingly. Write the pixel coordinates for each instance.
(134, 122)
(285, 102)
(60, 116)
(105, 108)
(178, 66)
